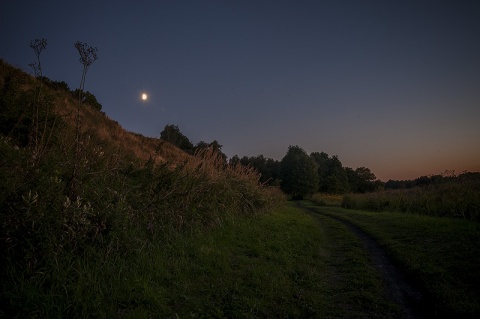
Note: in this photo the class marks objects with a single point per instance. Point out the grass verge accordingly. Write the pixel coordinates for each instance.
(442, 253)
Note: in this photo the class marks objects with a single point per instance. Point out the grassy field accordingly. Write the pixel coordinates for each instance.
(443, 254)
(283, 264)
(457, 197)
(286, 263)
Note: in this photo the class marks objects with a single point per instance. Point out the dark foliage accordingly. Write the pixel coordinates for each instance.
(172, 134)
(435, 179)
(333, 178)
(299, 173)
(88, 98)
(268, 168)
(213, 146)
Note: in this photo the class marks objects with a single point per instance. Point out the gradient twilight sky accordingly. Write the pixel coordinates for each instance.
(390, 85)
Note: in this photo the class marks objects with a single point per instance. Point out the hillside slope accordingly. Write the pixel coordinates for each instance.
(77, 189)
(18, 88)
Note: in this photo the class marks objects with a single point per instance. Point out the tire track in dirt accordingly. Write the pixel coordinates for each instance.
(399, 289)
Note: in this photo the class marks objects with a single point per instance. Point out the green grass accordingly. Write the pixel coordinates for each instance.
(282, 264)
(443, 254)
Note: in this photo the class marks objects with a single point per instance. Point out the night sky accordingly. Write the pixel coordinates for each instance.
(390, 85)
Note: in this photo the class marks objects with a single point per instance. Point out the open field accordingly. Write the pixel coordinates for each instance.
(457, 197)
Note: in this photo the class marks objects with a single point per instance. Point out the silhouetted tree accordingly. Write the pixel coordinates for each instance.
(322, 161)
(234, 160)
(201, 145)
(299, 173)
(273, 172)
(171, 133)
(268, 168)
(215, 146)
(361, 180)
(331, 174)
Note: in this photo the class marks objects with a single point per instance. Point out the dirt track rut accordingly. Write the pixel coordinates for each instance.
(399, 289)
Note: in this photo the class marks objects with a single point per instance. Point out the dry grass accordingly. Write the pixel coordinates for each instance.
(205, 190)
(95, 125)
(108, 131)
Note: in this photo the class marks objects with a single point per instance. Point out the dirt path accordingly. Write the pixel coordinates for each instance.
(399, 289)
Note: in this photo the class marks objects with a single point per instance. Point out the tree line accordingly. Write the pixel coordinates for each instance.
(434, 179)
(298, 173)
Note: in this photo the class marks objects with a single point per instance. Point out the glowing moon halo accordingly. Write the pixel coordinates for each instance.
(144, 96)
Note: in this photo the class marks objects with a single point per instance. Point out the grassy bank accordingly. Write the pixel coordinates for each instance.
(442, 254)
(63, 257)
(77, 213)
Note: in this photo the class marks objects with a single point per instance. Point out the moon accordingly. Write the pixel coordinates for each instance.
(144, 96)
